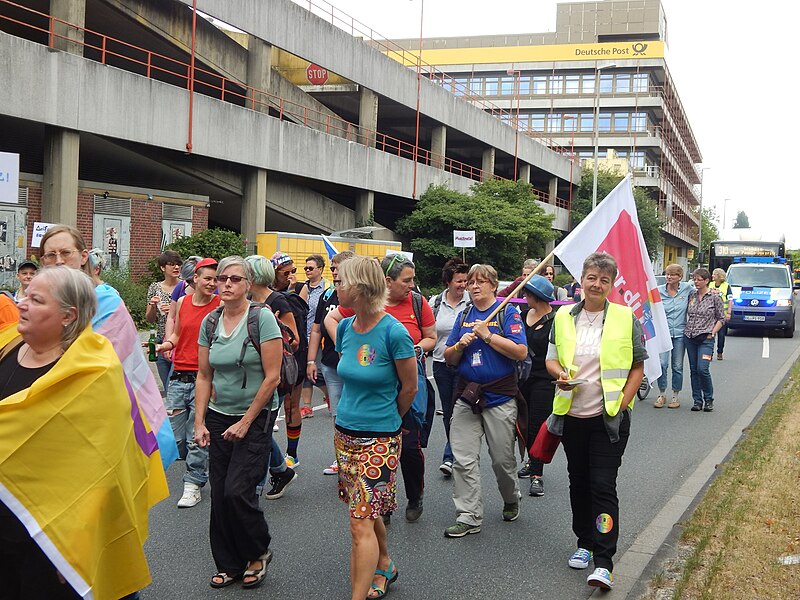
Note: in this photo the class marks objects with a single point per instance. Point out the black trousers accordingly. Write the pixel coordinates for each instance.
(539, 398)
(238, 531)
(412, 464)
(592, 463)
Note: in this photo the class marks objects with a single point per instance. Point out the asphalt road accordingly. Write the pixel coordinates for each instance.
(526, 558)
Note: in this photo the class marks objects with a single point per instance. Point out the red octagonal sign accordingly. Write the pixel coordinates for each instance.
(316, 75)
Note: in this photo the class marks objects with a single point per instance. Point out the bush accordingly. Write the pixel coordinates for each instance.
(208, 243)
(134, 294)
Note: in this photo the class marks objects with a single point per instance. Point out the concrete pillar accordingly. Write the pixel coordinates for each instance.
(524, 172)
(438, 146)
(487, 163)
(254, 205)
(74, 13)
(365, 208)
(549, 247)
(60, 181)
(367, 116)
(553, 191)
(259, 70)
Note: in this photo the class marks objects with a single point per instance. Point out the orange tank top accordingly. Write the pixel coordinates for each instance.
(185, 356)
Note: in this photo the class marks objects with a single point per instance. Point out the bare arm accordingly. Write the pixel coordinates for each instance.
(632, 384)
(202, 396)
(428, 340)
(331, 322)
(172, 334)
(407, 374)
(313, 347)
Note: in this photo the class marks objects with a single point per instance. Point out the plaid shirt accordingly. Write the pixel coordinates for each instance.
(703, 313)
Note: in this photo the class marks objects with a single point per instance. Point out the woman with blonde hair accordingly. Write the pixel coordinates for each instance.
(723, 288)
(377, 360)
(675, 299)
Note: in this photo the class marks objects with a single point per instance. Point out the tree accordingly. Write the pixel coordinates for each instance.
(509, 226)
(649, 220)
(708, 224)
(208, 243)
(742, 222)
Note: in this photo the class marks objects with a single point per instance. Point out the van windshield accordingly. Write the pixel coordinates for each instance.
(753, 276)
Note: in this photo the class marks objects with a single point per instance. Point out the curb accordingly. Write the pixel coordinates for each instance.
(630, 567)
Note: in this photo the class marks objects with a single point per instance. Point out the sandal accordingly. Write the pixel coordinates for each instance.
(259, 574)
(225, 579)
(390, 575)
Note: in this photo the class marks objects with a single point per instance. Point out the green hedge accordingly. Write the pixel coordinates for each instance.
(133, 293)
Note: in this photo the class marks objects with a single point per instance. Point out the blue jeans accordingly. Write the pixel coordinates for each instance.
(334, 383)
(721, 338)
(677, 366)
(445, 378)
(180, 408)
(700, 351)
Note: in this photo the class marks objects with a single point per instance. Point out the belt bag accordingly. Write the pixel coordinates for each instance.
(184, 376)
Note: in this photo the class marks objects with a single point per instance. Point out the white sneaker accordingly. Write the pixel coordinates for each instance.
(601, 578)
(332, 470)
(191, 495)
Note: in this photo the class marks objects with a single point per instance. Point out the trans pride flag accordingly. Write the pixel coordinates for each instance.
(79, 467)
(613, 227)
(114, 322)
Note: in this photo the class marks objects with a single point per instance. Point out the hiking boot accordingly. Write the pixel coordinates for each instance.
(580, 559)
(446, 468)
(525, 472)
(675, 402)
(191, 495)
(537, 487)
(709, 407)
(461, 529)
(280, 481)
(660, 401)
(601, 578)
(511, 511)
(414, 510)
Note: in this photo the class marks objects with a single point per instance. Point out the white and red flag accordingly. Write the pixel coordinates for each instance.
(613, 227)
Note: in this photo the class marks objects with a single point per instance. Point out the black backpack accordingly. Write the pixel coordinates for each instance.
(289, 368)
(300, 311)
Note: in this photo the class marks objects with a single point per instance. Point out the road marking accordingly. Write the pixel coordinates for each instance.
(765, 348)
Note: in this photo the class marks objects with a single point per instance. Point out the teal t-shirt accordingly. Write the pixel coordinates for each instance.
(369, 397)
(229, 398)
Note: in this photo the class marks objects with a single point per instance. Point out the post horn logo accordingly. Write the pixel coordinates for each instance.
(639, 48)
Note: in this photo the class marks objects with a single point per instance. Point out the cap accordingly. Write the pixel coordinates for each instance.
(27, 264)
(280, 258)
(541, 288)
(206, 262)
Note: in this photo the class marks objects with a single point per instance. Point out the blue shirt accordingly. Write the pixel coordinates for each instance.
(675, 308)
(369, 396)
(480, 362)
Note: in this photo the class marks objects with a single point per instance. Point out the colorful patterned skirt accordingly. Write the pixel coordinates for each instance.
(367, 473)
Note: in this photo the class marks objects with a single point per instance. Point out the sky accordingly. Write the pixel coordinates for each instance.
(731, 63)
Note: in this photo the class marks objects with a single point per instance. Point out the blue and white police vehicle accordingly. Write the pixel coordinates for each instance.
(762, 294)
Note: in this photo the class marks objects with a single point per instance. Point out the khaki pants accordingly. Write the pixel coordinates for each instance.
(466, 430)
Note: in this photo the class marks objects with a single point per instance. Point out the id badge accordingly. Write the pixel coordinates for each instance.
(477, 359)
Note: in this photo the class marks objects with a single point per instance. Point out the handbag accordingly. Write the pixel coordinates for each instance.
(545, 445)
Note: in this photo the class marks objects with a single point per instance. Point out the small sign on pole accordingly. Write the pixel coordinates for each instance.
(9, 177)
(39, 229)
(463, 239)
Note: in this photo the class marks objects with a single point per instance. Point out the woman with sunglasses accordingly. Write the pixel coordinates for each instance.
(238, 424)
(559, 293)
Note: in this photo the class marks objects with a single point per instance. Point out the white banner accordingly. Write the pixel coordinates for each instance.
(463, 239)
(39, 229)
(613, 227)
(9, 177)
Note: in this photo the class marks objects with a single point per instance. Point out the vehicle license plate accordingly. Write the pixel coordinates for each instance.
(754, 317)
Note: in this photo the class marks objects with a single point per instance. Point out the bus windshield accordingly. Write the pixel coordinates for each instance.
(722, 253)
(759, 276)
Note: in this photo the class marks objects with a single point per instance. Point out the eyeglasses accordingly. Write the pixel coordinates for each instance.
(309, 268)
(233, 278)
(50, 257)
(477, 282)
(289, 271)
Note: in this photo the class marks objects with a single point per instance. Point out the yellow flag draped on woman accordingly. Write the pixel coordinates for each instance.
(80, 467)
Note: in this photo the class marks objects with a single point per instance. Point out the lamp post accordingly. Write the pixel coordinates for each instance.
(571, 154)
(700, 234)
(724, 212)
(597, 127)
(517, 74)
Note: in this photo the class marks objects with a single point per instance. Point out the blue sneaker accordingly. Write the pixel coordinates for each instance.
(580, 559)
(601, 578)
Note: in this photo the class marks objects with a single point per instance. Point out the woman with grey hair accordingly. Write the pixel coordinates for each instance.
(723, 288)
(237, 426)
(596, 355)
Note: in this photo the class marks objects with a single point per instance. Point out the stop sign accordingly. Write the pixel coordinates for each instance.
(316, 75)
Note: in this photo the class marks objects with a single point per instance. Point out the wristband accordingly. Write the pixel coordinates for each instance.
(311, 362)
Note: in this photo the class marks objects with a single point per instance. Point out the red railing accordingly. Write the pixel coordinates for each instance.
(176, 72)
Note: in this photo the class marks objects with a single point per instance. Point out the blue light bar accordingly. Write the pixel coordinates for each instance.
(761, 259)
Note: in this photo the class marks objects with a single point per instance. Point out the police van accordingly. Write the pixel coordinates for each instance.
(762, 294)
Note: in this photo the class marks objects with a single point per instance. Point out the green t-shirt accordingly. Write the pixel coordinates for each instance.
(229, 398)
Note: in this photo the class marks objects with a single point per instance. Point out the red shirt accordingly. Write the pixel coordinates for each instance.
(185, 356)
(404, 312)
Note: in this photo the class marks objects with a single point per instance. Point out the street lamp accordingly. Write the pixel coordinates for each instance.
(724, 212)
(597, 127)
(700, 235)
(571, 154)
(517, 74)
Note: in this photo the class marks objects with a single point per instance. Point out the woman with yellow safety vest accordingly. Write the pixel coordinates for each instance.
(597, 355)
(723, 288)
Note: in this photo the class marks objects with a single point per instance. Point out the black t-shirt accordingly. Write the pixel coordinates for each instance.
(278, 303)
(14, 377)
(327, 303)
(538, 338)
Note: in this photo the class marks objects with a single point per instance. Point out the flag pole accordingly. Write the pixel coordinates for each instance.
(530, 275)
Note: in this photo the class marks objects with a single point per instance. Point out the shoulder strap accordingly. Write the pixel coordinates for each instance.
(211, 324)
(416, 304)
(253, 329)
(328, 293)
(437, 303)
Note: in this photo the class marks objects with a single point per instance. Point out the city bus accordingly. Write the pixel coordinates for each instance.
(721, 253)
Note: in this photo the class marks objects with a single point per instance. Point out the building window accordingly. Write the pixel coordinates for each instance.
(588, 84)
(640, 82)
(638, 122)
(587, 122)
(557, 85)
(524, 86)
(539, 84)
(491, 87)
(604, 123)
(572, 84)
(623, 83)
(537, 122)
(460, 86)
(507, 86)
(571, 124)
(476, 86)
(606, 83)
(554, 123)
(621, 121)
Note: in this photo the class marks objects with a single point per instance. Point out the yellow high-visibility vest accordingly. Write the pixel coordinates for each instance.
(616, 355)
(723, 293)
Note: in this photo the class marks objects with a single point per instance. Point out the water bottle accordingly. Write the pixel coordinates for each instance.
(151, 346)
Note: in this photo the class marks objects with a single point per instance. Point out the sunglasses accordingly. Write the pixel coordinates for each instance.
(309, 268)
(233, 278)
(289, 271)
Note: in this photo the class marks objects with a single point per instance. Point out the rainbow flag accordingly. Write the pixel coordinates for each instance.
(114, 322)
(80, 468)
